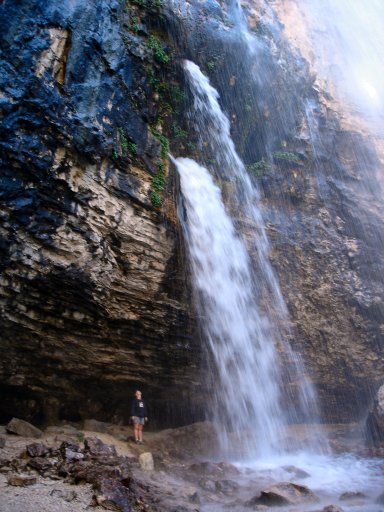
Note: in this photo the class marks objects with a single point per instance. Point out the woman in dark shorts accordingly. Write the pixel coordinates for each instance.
(139, 415)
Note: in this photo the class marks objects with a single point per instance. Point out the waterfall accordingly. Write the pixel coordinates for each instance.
(246, 392)
(238, 296)
(256, 385)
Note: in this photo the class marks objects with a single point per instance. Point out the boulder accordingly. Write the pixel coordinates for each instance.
(191, 494)
(296, 472)
(113, 496)
(96, 448)
(207, 484)
(71, 445)
(146, 461)
(217, 470)
(23, 428)
(352, 495)
(69, 454)
(284, 493)
(40, 464)
(227, 487)
(22, 480)
(375, 419)
(37, 450)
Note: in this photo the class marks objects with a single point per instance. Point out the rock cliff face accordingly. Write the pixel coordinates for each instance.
(93, 287)
(94, 290)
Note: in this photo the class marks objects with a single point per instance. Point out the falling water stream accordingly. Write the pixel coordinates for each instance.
(244, 320)
(242, 334)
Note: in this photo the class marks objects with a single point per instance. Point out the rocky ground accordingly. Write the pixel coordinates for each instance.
(99, 467)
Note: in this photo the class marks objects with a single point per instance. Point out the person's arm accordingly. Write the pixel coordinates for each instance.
(133, 408)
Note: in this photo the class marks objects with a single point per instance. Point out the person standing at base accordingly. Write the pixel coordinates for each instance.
(139, 415)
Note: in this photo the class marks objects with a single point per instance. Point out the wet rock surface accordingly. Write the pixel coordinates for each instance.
(284, 494)
(375, 420)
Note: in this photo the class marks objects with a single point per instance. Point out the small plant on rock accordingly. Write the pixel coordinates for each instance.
(178, 132)
(159, 53)
(259, 168)
(285, 155)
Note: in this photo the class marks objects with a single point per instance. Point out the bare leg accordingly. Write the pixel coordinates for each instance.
(136, 431)
(140, 432)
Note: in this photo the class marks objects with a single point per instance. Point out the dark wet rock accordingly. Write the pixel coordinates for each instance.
(37, 450)
(227, 487)
(96, 448)
(207, 484)
(375, 419)
(41, 464)
(19, 464)
(22, 480)
(183, 508)
(23, 428)
(194, 497)
(66, 495)
(64, 469)
(352, 495)
(284, 494)
(296, 472)
(69, 454)
(202, 468)
(219, 469)
(332, 508)
(95, 471)
(70, 451)
(112, 495)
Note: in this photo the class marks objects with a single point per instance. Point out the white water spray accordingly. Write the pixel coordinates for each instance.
(242, 333)
(247, 397)
(349, 46)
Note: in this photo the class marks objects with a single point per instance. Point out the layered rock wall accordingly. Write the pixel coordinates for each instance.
(93, 289)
